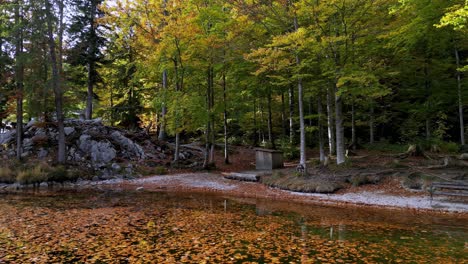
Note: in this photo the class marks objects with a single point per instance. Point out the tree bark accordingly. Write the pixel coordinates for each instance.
(61, 154)
(91, 61)
(19, 76)
(291, 115)
(330, 127)
(162, 124)
(340, 148)
(302, 144)
(270, 122)
(320, 129)
(353, 126)
(283, 116)
(427, 91)
(255, 121)
(225, 116)
(371, 125)
(460, 101)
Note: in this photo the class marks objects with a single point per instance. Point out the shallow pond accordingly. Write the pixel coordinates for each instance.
(153, 227)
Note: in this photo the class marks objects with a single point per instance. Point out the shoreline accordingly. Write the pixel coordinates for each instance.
(216, 184)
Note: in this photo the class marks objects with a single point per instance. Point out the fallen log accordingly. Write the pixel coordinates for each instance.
(241, 176)
(450, 162)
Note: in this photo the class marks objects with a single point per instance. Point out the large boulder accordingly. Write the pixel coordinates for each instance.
(8, 137)
(129, 148)
(100, 152)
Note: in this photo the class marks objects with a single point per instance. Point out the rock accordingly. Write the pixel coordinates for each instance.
(69, 130)
(463, 156)
(28, 143)
(42, 153)
(101, 152)
(30, 124)
(134, 150)
(7, 137)
(25, 154)
(116, 167)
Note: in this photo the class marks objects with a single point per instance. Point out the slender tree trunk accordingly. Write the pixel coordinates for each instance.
(270, 124)
(460, 101)
(61, 155)
(302, 144)
(353, 126)
(255, 121)
(162, 124)
(177, 133)
(91, 61)
(19, 76)
(371, 125)
(320, 129)
(61, 29)
(340, 144)
(330, 127)
(283, 116)
(291, 115)
(311, 111)
(112, 118)
(212, 116)
(427, 91)
(302, 147)
(225, 117)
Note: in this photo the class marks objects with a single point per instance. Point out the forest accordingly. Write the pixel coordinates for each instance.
(236, 131)
(290, 74)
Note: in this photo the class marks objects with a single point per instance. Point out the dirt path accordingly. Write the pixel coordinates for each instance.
(215, 183)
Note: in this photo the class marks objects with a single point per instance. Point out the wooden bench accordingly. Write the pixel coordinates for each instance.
(449, 189)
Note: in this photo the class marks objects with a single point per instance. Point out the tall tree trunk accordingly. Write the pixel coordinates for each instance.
(283, 116)
(225, 116)
(330, 127)
(371, 125)
(91, 60)
(340, 144)
(460, 101)
(311, 111)
(302, 144)
(302, 160)
(320, 129)
(61, 29)
(427, 92)
(177, 133)
(61, 154)
(212, 117)
(255, 121)
(353, 126)
(291, 114)
(19, 76)
(270, 123)
(162, 124)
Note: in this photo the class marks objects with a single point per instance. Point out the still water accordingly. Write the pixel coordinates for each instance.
(156, 227)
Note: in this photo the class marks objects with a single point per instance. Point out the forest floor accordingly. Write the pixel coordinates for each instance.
(389, 190)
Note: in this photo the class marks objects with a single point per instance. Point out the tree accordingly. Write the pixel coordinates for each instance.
(56, 84)
(88, 41)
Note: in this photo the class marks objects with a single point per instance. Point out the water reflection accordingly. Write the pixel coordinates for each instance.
(174, 227)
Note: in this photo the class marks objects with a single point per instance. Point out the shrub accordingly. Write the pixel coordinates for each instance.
(289, 150)
(160, 170)
(7, 175)
(35, 176)
(61, 174)
(417, 181)
(385, 146)
(365, 178)
(437, 145)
